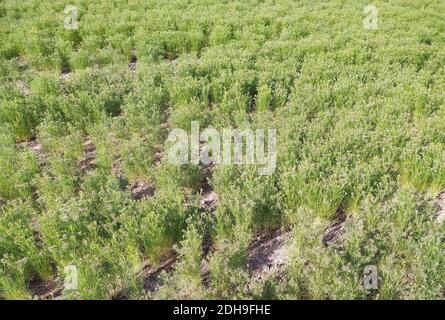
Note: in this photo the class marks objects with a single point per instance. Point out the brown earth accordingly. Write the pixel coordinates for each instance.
(142, 189)
(440, 205)
(268, 254)
(87, 162)
(336, 230)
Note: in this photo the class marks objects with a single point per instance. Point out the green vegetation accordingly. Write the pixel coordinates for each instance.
(360, 118)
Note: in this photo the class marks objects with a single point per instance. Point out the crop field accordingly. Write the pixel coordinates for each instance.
(91, 207)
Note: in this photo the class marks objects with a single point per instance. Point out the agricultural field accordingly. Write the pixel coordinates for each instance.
(92, 208)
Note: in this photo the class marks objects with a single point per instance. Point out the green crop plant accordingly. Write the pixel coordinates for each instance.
(89, 96)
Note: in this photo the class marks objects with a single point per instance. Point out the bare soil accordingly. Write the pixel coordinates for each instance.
(208, 203)
(36, 147)
(334, 232)
(151, 273)
(440, 205)
(64, 74)
(42, 290)
(133, 61)
(207, 247)
(23, 87)
(268, 254)
(87, 162)
(142, 189)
